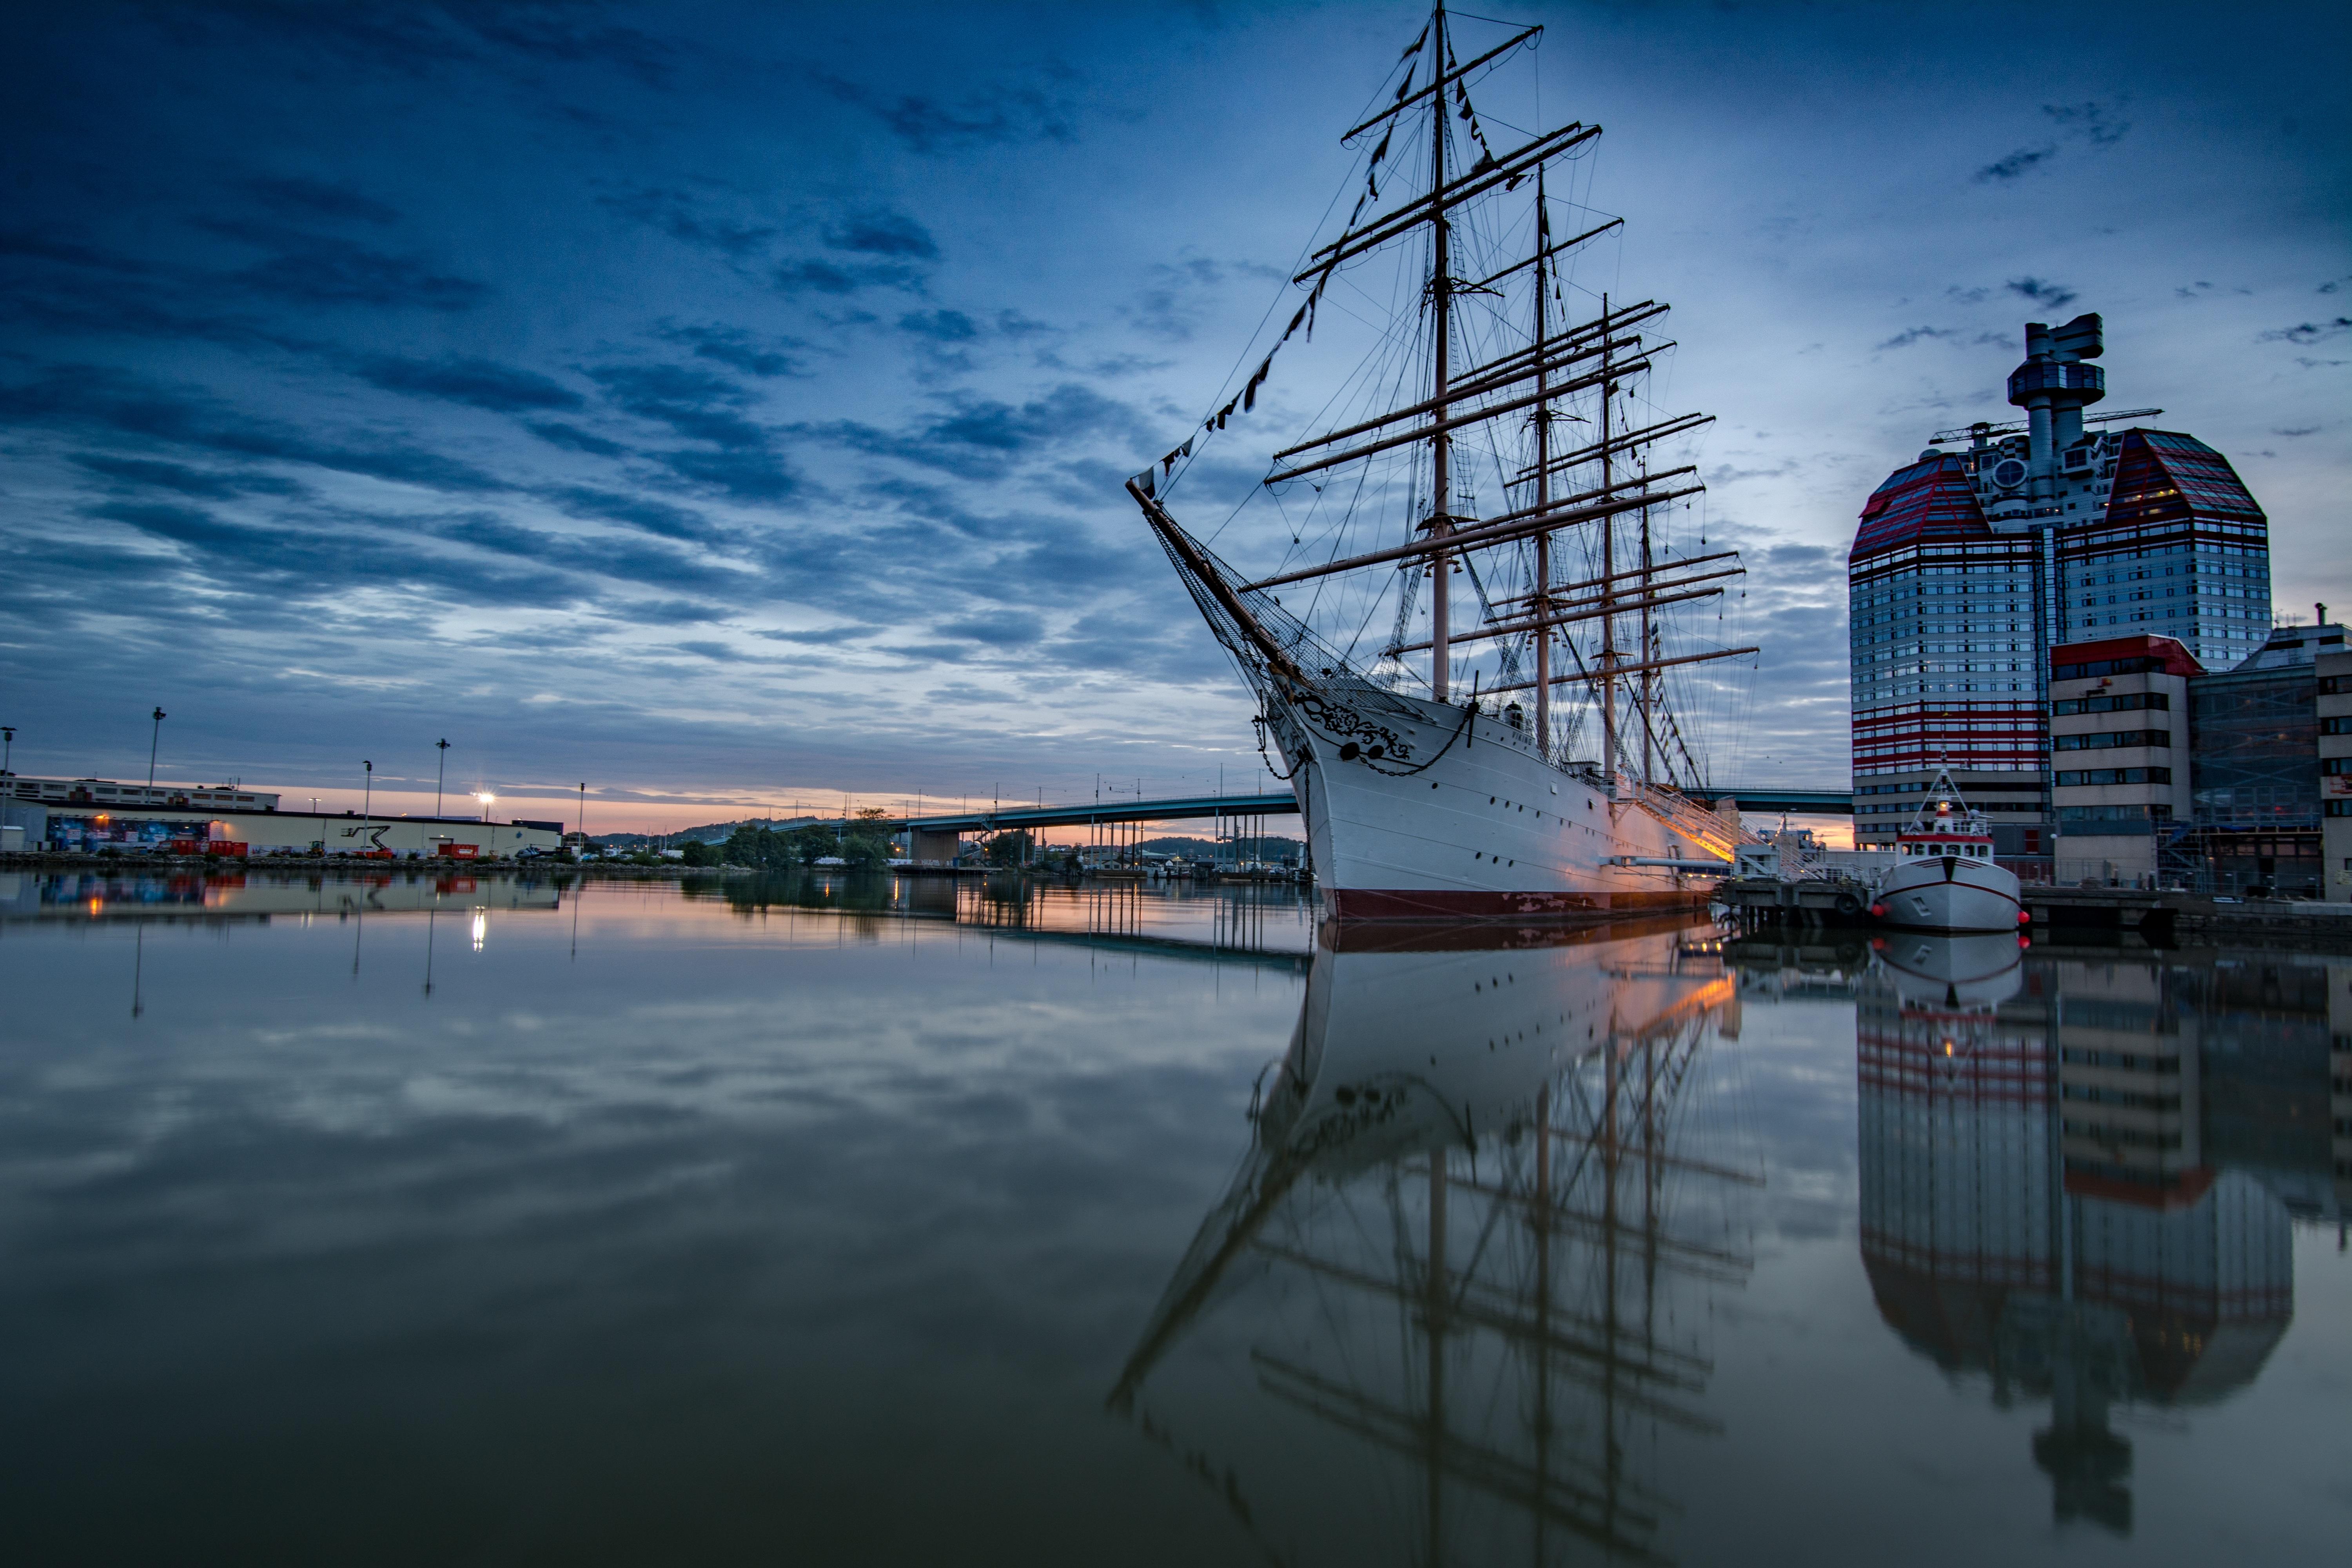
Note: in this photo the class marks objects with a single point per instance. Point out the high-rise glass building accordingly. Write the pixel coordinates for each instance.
(1970, 565)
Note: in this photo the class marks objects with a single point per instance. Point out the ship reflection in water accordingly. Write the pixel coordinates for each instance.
(1494, 1204)
(2071, 1176)
(1482, 1209)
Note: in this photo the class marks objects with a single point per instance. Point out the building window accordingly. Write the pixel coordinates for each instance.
(2089, 777)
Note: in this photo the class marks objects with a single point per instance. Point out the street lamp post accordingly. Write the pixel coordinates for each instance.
(367, 801)
(7, 746)
(153, 740)
(441, 776)
(582, 820)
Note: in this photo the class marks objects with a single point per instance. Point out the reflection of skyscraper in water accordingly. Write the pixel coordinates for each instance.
(2042, 1200)
(1480, 1207)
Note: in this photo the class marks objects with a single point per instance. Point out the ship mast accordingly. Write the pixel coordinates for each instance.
(1565, 359)
(1648, 688)
(1608, 659)
(1442, 347)
(1541, 601)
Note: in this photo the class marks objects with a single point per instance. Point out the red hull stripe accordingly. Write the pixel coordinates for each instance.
(1416, 904)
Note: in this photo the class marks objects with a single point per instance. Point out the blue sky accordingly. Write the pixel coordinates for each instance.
(727, 405)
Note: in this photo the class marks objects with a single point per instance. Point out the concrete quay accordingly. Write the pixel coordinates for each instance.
(2161, 919)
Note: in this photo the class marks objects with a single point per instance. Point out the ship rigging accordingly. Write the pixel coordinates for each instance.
(1598, 641)
(1472, 374)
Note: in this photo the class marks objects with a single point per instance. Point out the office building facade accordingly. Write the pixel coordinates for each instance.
(1969, 566)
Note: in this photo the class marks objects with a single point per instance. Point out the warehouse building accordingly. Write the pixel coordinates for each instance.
(89, 815)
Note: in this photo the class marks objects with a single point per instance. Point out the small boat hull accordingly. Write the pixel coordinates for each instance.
(1949, 893)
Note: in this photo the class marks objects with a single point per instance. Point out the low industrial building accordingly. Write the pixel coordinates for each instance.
(2164, 772)
(91, 816)
(2332, 693)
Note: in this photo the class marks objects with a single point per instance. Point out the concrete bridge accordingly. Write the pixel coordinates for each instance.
(934, 838)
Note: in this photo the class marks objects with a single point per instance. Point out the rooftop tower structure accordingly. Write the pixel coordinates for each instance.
(1970, 565)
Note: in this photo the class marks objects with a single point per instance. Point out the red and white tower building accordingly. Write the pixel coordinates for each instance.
(1969, 566)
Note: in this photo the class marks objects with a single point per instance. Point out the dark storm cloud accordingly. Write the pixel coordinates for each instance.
(998, 629)
(248, 560)
(2002, 170)
(23, 243)
(814, 275)
(197, 483)
(1172, 650)
(1903, 340)
(825, 636)
(66, 288)
(643, 566)
(718, 651)
(425, 39)
(1065, 413)
(501, 388)
(2052, 296)
(678, 214)
(662, 612)
(304, 198)
(982, 438)
(1003, 112)
(941, 326)
(655, 517)
(324, 270)
(694, 403)
(572, 438)
(2094, 121)
(1014, 324)
(738, 349)
(85, 398)
(2308, 332)
(883, 234)
(1170, 305)
(564, 35)
(753, 476)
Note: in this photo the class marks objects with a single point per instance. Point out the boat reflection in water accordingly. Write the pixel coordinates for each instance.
(1484, 1199)
(2076, 1176)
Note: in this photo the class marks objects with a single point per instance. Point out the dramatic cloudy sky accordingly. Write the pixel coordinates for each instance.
(727, 405)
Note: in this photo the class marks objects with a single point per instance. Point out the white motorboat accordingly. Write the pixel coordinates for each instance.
(1945, 878)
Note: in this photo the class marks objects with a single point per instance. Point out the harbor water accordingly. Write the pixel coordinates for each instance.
(470, 1219)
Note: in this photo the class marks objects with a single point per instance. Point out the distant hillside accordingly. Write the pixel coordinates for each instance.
(1267, 849)
(708, 833)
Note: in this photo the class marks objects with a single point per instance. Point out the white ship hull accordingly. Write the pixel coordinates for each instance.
(1457, 816)
(1949, 893)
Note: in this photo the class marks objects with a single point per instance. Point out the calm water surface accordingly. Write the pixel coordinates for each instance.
(486, 1222)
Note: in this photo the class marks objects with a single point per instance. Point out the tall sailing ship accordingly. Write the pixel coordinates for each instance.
(1562, 782)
